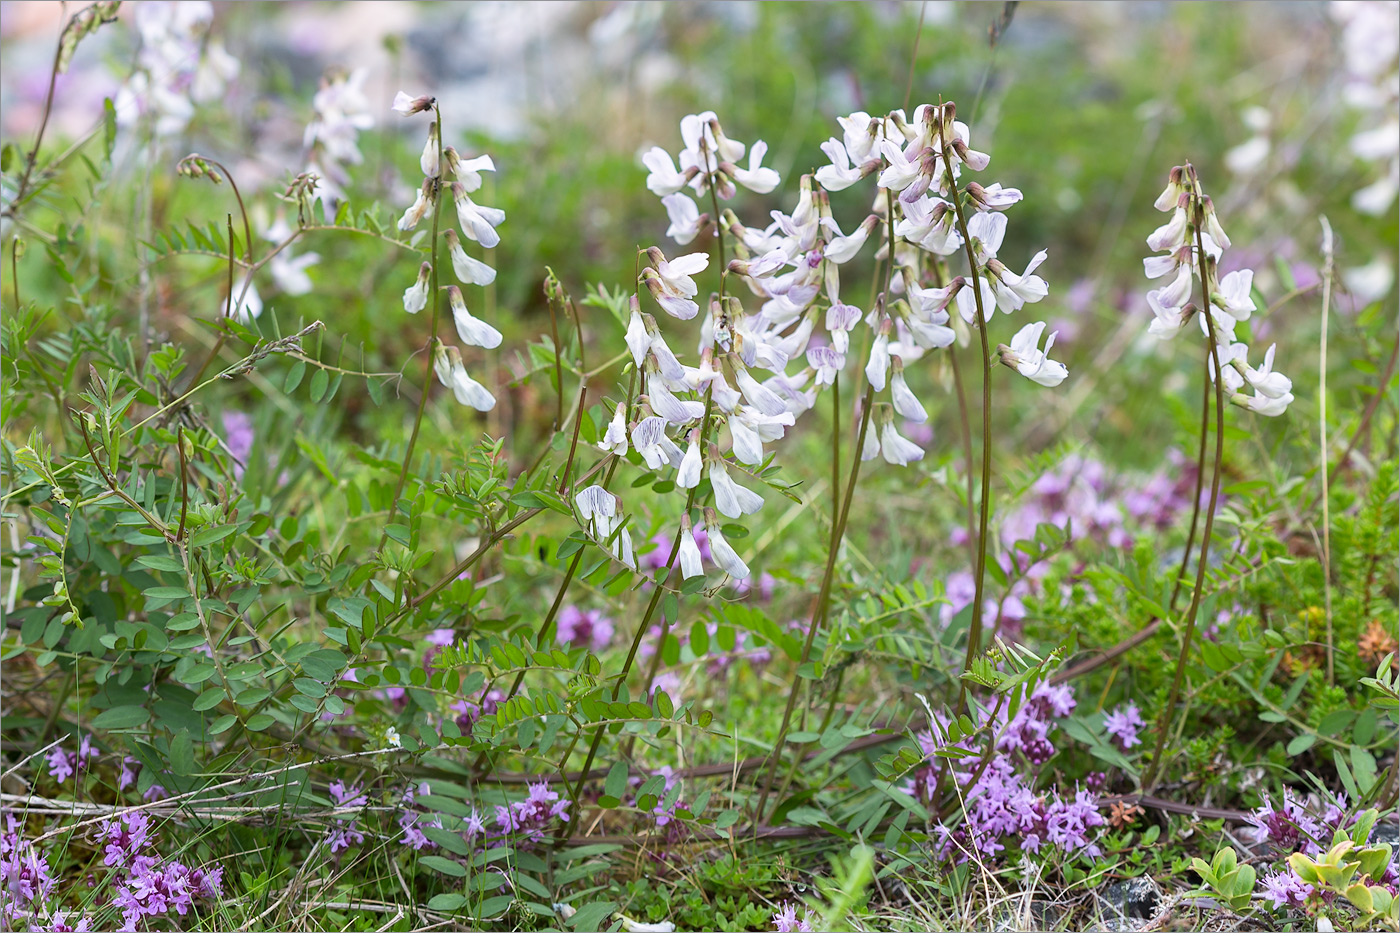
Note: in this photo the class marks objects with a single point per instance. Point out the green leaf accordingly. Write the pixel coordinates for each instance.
(161, 562)
(207, 536)
(1301, 743)
(121, 717)
(167, 592)
(320, 381)
(222, 724)
(699, 638)
(294, 376)
(592, 916)
(182, 753)
(444, 865)
(446, 902)
(615, 784)
(209, 699)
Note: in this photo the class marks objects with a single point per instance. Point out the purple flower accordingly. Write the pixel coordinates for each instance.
(442, 637)
(1123, 724)
(1285, 889)
(786, 919)
(125, 839)
(590, 629)
(239, 428)
(60, 765)
(1289, 828)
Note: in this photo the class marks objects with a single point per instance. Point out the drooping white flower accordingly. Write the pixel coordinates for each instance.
(840, 174)
(859, 132)
(469, 270)
(688, 474)
(1172, 235)
(638, 340)
(1233, 294)
(901, 172)
(745, 440)
(473, 331)
(407, 105)
(478, 223)
(663, 179)
(896, 449)
(686, 219)
(724, 555)
(689, 553)
(841, 319)
(421, 206)
(758, 395)
(993, 197)
(1024, 356)
(1168, 320)
(1263, 404)
(904, 399)
(615, 437)
(932, 224)
(879, 363)
(415, 297)
(756, 177)
(843, 248)
(671, 284)
(665, 403)
(1265, 381)
(731, 499)
(447, 364)
(468, 171)
(430, 160)
(649, 437)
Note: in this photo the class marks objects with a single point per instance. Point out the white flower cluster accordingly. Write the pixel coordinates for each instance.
(178, 66)
(332, 138)
(1371, 53)
(478, 223)
(1193, 228)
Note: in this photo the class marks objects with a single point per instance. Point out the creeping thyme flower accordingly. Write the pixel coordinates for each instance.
(1123, 724)
(787, 921)
(1284, 889)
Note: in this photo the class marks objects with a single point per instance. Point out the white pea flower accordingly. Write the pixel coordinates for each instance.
(758, 395)
(745, 440)
(843, 248)
(1170, 197)
(638, 339)
(879, 362)
(1233, 294)
(932, 224)
(1232, 358)
(689, 554)
(663, 179)
(1213, 228)
(1026, 358)
(688, 474)
(901, 171)
(595, 503)
(1172, 235)
(686, 219)
(1263, 404)
(904, 399)
(469, 270)
(468, 172)
(649, 437)
(615, 437)
(447, 364)
(671, 284)
(731, 499)
(724, 556)
(478, 223)
(665, 404)
(421, 206)
(473, 331)
(706, 375)
(840, 174)
(967, 301)
(1168, 320)
(993, 197)
(896, 449)
(1014, 291)
(1175, 293)
(415, 297)
(1265, 381)
(841, 319)
(407, 105)
(827, 363)
(429, 161)
(859, 132)
(756, 177)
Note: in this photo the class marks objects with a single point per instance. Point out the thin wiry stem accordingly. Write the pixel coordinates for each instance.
(1322, 442)
(1196, 496)
(1154, 769)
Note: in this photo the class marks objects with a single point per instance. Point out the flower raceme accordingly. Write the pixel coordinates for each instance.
(443, 167)
(1194, 228)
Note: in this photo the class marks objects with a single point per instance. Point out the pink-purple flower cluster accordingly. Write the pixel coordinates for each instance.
(25, 882)
(1123, 725)
(787, 921)
(64, 764)
(584, 628)
(345, 833)
(528, 818)
(154, 889)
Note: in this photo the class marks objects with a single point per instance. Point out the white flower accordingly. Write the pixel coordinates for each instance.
(391, 735)
(967, 301)
(987, 230)
(429, 160)
(250, 303)
(689, 553)
(415, 297)
(732, 499)
(615, 437)
(898, 450)
(664, 179)
(841, 319)
(671, 284)
(758, 395)
(468, 269)
(665, 404)
(477, 222)
(594, 503)
(649, 437)
(1267, 382)
(1013, 291)
(1027, 359)
(1233, 294)
(1172, 234)
(745, 440)
(993, 197)
(879, 362)
(688, 474)
(724, 556)
(638, 340)
(420, 207)
(686, 220)
(1232, 358)
(756, 178)
(827, 363)
(904, 399)
(843, 248)
(447, 364)
(468, 173)
(1168, 319)
(473, 331)
(1263, 404)
(932, 224)
(859, 133)
(901, 171)
(407, 104)
(840, 174)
